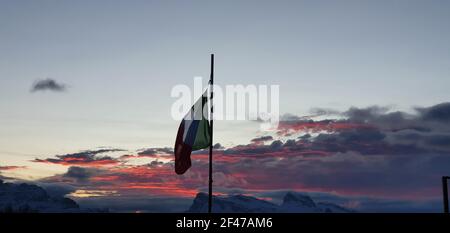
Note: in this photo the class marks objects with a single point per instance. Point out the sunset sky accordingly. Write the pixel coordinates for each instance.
(363, 98)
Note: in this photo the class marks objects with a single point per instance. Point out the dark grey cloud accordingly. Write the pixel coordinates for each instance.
(84, 158)
(156, 151)
(365, 114)
(440, 112)
(376, 129)
(80, 174)
(155, 163)
(426, 119)
(48, 84)
(262, 139)
(305, 137)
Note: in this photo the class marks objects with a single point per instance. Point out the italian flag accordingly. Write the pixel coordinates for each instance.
(193, 134)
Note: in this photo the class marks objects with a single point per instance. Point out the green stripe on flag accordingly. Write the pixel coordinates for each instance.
(202, 139)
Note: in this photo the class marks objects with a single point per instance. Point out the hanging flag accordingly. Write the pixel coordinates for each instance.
(193, 134)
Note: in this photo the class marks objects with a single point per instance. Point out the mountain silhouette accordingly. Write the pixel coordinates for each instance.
(292, 203)
(29, 198)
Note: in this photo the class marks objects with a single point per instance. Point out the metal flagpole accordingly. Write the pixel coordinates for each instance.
(211, 82)
(445, 192)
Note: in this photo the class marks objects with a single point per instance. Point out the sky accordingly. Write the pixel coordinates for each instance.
(117, 62)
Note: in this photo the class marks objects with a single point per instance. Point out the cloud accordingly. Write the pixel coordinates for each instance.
(262, 139)
(80, 174)
(440, 113)
(154, 179)
(48, 84)
(371, 152)
(290, 127)
(154, 153)
(4, 169)
(8, 168)
(323, 112)
(87, 158)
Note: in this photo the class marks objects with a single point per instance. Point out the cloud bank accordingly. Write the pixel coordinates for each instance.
(368, 155)
(48, 85)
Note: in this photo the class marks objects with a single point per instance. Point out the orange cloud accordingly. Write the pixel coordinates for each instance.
(7, 168)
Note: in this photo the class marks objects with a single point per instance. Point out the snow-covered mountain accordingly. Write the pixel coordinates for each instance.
(298, 203)
(292, 203)
(232, 204)
(32, 198)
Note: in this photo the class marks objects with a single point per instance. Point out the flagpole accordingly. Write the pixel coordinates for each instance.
(445, 193)
(211, 82)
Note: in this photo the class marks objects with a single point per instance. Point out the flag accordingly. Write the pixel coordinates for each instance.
(193, 134)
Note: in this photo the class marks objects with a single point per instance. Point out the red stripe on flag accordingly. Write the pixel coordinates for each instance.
(182, 152)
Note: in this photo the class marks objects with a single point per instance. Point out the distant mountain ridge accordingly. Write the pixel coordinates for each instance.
(29, 198)
(292, 203)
